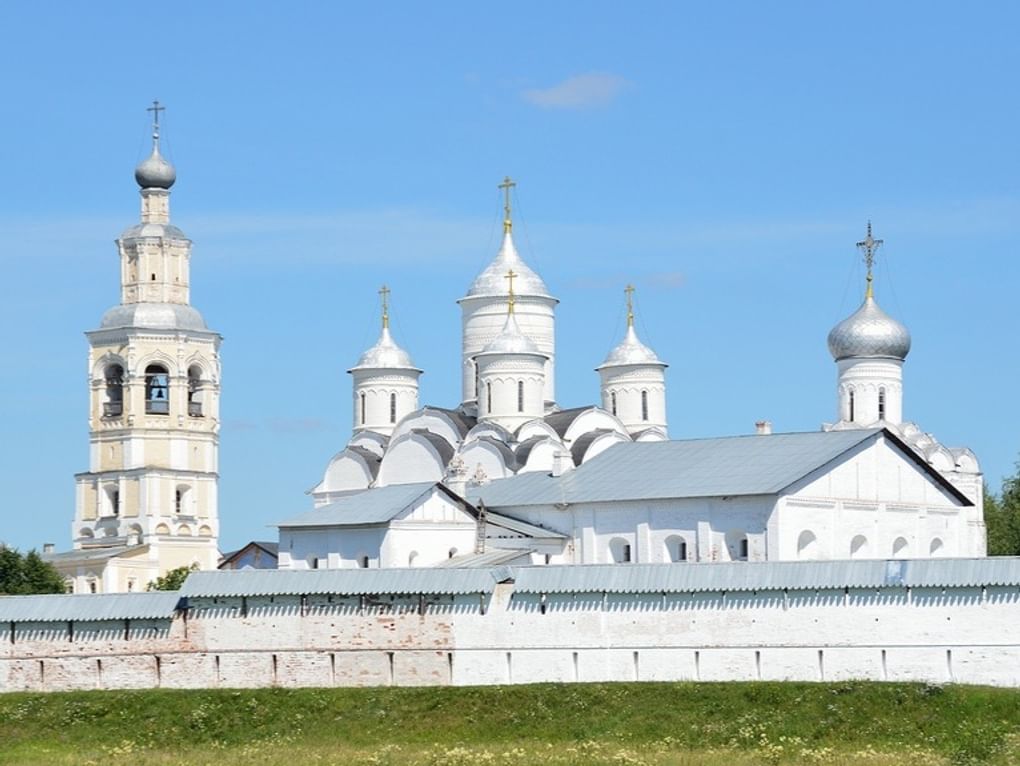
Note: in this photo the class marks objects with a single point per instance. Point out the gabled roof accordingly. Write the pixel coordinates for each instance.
(522, 527)
(286, 582)
(491, 558)
(90, 607)
(369, 506)
(720, 467)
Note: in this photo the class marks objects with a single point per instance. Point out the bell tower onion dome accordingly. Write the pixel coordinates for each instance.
(869, 348)
(385, 381)
(634, 380)
(155, 172)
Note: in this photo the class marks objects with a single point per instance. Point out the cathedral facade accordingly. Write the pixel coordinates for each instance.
(148, 502)
(507, 477)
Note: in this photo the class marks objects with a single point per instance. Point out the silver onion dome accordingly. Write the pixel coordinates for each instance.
(869, 332)
(154, 316)
(385, 355)
(492, 280)
(155, 172)
(630, 352)
(511, 341)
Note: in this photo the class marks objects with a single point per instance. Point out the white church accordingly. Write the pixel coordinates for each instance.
(507, 477)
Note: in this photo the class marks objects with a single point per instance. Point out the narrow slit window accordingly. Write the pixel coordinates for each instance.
(851, 418)
(881, 404)
(612, 402)
(644, 405)
(362, 409)
(520, 396)
(488, 397)
(393, 408)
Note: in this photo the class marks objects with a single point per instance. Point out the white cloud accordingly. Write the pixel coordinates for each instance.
(579, 91)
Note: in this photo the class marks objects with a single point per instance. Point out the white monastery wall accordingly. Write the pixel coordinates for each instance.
(937, 635)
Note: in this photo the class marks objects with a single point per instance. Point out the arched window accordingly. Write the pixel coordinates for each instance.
(851, 406)
(411, 557)
(612, 402)
(182, 500)
(488, 397)
(114, 404)
(178, 500)
(363, 562)
(900, 548)
(676, 548)
(620, 551)
(113, 500)
(362, 409)
(644, 405)
(520, 396)
(937, 549)
(393, 408)
(736, 545)
(313, 562)
(807, 545)
(881, 404)
(451, 553)
(195, 391)
(157, 390)
(859, 547)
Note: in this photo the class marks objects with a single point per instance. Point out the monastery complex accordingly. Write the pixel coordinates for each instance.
(500, 538)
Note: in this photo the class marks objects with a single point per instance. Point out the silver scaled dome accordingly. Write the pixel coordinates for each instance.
(869, 332)
(492, 280)
(385, 355)
(155, 172)
(511, 341)
(631, 351)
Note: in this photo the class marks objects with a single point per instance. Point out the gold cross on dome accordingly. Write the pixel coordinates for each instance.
(506, 186)
(869, 246)
(629, 290)
(384, 293)
(155, 109)
(510, 277)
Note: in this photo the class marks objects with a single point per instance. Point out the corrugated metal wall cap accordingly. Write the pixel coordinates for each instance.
(763, 576)
(344, 582)
(89, 607)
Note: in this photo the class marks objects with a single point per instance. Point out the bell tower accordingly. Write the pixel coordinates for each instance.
(148, 502)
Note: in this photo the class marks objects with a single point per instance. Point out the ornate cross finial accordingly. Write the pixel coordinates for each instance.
(510, 276)
(155, 109)
(384, 293)
(869, 246)
(629, 290)
(506, 186)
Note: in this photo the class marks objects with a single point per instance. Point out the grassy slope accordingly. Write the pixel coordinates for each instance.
(770, 722)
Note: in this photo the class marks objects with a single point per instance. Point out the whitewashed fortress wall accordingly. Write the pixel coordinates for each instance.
(507, 632)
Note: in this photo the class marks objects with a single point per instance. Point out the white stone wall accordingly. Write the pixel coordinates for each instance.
(626, 385)
(866, 378)
(937, 635)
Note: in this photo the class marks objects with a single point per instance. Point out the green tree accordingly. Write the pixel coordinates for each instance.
(27, 574)
(1002, 518)
(174, 579)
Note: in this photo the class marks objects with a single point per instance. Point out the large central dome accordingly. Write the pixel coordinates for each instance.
(492, 281)
(869, 332)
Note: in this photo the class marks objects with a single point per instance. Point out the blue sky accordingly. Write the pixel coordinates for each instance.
(722, 157)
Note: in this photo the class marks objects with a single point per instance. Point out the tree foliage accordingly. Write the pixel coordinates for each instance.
(1002, 518)
(25, 574)
(174, 579)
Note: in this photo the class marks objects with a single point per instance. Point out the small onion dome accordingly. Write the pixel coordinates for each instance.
(631, 352)
(492, 280)
(511, 341)
(154, 172)
(869, 332)
(385, 355)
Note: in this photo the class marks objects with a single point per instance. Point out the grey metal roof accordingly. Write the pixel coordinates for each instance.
(370, 506)
(759, 576)
(153, 316)
(561, 421)
(727, 466)
(523, 527)
(94, 553)
(89, 607)
(493, 558)
(283, 582)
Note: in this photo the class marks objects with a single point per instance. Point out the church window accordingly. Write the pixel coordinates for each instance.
(859, 547)
(520, 396)
(612, 402)
(195, 391)
(452, 553)
(363, 409)
(644, 405)
(619, 551)
(936, 548)
(153, 277)
(743, 549)
(393, 408)
(851, 401)
(676, 548)
(114, 404)
(363, 562)
(488, 397)
(92, 586)
(411, 557)
(900, 548)
(157, 390)
(881, 404)
(113, 495)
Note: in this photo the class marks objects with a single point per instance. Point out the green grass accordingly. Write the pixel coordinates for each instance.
(689, 724)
